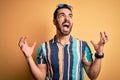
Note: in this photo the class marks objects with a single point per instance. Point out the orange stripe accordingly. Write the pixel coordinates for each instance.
(48, 46)
(61, 59)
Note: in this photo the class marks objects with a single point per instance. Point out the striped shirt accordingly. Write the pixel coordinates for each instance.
(64, 62)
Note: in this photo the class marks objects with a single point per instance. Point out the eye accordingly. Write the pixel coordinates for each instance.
(61, 15)
(70, 15)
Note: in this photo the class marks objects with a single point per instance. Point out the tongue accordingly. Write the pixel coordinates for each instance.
(65, 28)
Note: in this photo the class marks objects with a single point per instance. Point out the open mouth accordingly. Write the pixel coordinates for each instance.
(66, 25)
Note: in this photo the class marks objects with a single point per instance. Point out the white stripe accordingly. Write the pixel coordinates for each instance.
(68, 62)
(81, 49)
(78, 64)
(44, 50)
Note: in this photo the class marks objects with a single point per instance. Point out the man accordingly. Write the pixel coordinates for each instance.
(64, 57)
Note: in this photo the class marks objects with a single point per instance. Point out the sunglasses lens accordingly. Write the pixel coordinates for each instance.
(64, 5)
(60, 5)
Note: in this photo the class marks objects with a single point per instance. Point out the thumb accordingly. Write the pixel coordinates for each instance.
(34, 44)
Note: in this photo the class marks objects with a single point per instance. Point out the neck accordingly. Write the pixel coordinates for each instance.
(63, 39)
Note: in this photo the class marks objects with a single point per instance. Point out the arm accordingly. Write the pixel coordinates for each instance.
(38, 71)
(93, 68)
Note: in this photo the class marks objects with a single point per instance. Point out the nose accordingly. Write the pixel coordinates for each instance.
(66, 17)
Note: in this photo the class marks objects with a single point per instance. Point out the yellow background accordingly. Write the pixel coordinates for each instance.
(34, 18)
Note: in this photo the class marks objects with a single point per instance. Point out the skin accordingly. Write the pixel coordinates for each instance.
(63, 24)
(64, 18)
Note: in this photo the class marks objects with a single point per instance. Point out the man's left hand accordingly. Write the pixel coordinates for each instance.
(100, 45)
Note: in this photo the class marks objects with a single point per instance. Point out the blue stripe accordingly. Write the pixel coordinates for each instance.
(65, 75)
(54, 60)
(87, 51)
(81, 63)
(83, 47)
(41, 55)
(75, 59)
(71, 61)
(82, 73)
(88, 54)
(38, 55)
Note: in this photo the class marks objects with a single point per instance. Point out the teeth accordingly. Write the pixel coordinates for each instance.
(66, 24)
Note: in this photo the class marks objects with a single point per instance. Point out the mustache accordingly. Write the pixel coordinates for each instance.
(66, 21)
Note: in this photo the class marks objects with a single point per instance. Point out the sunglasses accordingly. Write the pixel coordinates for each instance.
(64, 5)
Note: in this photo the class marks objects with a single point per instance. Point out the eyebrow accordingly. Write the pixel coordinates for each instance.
(61, 13)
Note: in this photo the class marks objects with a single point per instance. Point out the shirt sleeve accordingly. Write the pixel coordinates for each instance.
(41, 57)
(86, 51)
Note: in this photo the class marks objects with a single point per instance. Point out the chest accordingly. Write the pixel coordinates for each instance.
(67, 56)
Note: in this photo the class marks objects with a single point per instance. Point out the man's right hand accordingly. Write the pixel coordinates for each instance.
(27, 50)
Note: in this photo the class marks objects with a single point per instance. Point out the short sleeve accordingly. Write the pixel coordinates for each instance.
(40, 58)
(86, 51)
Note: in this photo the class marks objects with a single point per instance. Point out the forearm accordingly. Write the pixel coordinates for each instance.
(94, 69)
(36, 72)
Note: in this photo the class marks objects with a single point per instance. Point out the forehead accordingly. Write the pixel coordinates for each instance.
(64, 10)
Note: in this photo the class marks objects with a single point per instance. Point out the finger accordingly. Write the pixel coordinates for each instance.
(34, 44)
(101, 36)
(103, 41)
(92, 42)
(106, 36)
(21, 41)
(25, 39)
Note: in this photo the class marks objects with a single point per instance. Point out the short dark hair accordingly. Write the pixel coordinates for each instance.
(60, 6)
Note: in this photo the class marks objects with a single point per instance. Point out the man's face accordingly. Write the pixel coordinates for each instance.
(63, 21)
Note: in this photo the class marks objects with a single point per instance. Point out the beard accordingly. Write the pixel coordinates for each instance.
(61, 30)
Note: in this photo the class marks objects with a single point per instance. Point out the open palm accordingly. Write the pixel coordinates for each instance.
(100, 45)
(27, 50)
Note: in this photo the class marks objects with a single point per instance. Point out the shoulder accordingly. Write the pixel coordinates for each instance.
(43, 45)
(83, 42)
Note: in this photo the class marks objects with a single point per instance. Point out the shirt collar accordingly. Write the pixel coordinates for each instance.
(54, 40)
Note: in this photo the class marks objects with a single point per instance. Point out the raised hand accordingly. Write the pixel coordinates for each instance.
(27, 50)
(100, 45)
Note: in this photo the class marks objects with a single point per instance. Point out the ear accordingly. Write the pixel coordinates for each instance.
(54, 21)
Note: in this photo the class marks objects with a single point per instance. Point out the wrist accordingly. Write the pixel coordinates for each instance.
(99, 55)
(28, 58)
(99, 52)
